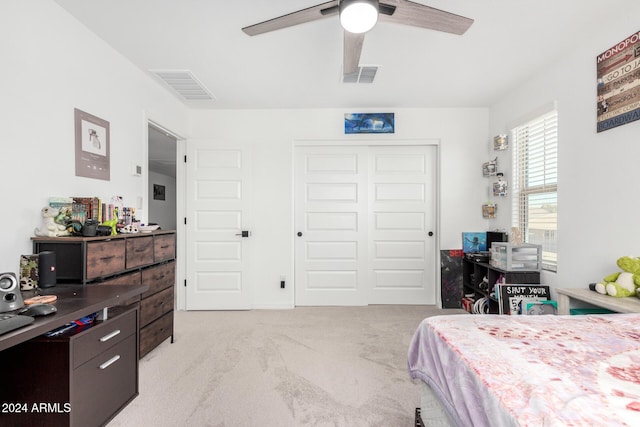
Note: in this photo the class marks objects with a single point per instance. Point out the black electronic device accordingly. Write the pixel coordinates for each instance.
(496, 236)
(10, 296)
(35, 310)
(103, 230)
(9, 322)
(47, 276)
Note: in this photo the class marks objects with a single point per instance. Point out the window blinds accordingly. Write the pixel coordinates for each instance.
(535, 184)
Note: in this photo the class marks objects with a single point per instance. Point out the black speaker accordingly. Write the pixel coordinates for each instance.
(10, 296)
(46, 269)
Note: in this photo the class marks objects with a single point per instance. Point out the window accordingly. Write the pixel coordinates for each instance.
(535, 184)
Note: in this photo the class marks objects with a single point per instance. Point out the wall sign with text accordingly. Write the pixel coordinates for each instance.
(619, 83)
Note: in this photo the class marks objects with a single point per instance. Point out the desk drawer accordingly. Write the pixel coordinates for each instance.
(155, 306)
(139, 251)
(105, 384)
(105, 257)
(164, 247)
(155, 332)
(159, 278)
(103, 336)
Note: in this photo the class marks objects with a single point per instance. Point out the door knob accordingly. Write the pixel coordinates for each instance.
(244, 233)
(299, 233)
(430, 233)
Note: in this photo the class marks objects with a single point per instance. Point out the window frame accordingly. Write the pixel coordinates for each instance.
(540, 136)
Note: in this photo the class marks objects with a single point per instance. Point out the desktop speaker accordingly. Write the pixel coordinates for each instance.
(10, 296)
(46, 269)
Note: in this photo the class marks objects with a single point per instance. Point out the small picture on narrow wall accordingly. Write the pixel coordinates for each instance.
(158, 192)
(500, 142)
(369, 123)
(489, 211)
(490, 168)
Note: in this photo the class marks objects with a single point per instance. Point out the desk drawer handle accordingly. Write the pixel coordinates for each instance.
(110, 362)
(104, 258)
(109, 336)
(165, 247)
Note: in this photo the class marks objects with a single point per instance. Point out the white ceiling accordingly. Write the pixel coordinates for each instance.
(300, 67)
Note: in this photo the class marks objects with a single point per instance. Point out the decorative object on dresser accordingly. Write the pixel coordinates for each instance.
(147, 259)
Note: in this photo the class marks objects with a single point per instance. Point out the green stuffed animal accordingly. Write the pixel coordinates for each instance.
(622, 283)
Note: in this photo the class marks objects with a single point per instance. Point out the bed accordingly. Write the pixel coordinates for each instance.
(490, 370)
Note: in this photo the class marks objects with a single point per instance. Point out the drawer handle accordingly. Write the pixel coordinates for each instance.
(107, 257)
(109, 336)
(141, 250)
(110, 362)
(165, 247)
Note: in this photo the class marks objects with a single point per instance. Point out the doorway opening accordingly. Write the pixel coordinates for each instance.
(162, 181)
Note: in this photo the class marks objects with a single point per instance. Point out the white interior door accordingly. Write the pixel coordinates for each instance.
(363, 217)
(331, 225)
(402, 249)
(218, 201)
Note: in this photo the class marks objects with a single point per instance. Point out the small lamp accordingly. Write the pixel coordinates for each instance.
(358, 16)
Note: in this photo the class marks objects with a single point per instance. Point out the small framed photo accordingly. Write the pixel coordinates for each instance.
(489, 211)
(500, 142)
(158, 192)
(490, 168)
(500, 186)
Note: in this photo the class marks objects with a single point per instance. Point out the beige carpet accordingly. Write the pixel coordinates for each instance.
(309, 366)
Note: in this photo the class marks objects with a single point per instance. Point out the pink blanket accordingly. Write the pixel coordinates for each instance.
(491, 370)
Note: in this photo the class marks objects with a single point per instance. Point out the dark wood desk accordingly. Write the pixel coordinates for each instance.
(81, 378)
(74, 302)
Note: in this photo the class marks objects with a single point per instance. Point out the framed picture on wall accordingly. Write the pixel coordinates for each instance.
(158, 192)
(369, 123)
(92, 146)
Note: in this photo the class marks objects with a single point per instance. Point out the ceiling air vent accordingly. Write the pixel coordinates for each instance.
(185, 84)
(364, 74)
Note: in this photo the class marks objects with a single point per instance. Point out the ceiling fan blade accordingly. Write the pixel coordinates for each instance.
(419, 15)
(309, 14)
(352, 50)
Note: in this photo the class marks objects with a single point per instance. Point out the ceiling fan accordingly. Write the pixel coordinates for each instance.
(359, 16)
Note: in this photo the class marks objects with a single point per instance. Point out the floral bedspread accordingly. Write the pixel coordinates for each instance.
(491, 370)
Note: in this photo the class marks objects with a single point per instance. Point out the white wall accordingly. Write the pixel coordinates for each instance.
(50, 65)
(271, 134)
(163, 212)
(598, 212)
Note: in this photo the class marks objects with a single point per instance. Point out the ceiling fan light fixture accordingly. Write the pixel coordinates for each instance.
(358, 16)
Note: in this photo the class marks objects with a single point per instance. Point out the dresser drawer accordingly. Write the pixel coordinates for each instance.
(164, 247)
(103, 336)
(155, 332)
(134, 278)
(139, 251)
(104, 258)
(158, 278)
(104, 384)
(155, 306)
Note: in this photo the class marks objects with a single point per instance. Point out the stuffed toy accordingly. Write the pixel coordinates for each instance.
(49, 227)
(622, 283)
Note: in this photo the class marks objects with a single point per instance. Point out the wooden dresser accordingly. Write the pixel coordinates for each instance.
(143, 258)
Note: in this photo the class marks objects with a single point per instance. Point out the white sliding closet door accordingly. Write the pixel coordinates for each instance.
(402, 254)
(331, 225)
